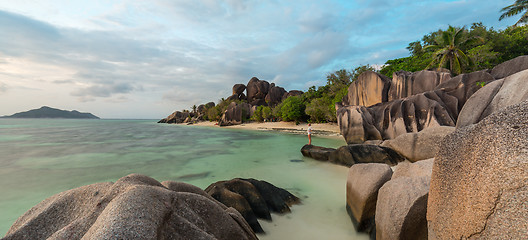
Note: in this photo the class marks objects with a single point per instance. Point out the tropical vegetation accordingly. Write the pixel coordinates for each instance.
(459, 49)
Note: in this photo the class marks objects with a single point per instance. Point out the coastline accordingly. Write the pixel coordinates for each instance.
(326, 130)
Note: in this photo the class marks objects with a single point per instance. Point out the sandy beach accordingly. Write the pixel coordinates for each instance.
(330, 130)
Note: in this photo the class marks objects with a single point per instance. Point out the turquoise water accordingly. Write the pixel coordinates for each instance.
(39, 158)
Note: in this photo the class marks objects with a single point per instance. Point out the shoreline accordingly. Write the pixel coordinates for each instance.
(326, 130)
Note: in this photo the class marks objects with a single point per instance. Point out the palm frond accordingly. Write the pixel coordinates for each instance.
(523, 19)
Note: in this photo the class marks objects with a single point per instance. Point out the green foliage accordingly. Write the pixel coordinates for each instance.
(519, 6)
(447, 50)
(484, 47)
(292, 109)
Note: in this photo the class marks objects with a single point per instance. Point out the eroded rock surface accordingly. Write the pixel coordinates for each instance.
(363, 184)
(252, 198)
(134, 207)
(479, 181)
(493, 97)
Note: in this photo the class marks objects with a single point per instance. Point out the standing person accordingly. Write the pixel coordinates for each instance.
(309, 134)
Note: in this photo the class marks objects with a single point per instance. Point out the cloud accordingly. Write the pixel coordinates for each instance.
(180, 53)
(3, 87)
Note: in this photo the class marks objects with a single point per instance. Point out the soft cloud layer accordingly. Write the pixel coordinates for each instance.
(145, 59)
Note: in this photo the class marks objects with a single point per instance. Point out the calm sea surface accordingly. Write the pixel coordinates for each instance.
(42, 157)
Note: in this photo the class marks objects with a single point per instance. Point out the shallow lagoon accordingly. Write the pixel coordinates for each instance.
(43, 157)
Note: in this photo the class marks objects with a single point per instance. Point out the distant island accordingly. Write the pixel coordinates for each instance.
(47, 112)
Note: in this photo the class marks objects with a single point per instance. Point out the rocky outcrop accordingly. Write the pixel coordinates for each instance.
(274, 95)
(175, 117)
(316, 152)
(363, 184)
(235, 114)
(364, 153)
(238, 89)
(134, 207)
(257, 91)
(421, 145)
(202, 108)
(493, 97)
(405, 84)
(370, 88)
(510, 67)
(388, 120)
(402, 202)
(479, 184)
(252, 198)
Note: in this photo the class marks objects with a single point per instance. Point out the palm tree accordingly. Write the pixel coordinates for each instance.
(447, 49)
(518, 7)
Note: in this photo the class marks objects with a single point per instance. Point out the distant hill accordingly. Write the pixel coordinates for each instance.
(47, 112)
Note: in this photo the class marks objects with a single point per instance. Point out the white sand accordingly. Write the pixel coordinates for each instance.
(330, 130)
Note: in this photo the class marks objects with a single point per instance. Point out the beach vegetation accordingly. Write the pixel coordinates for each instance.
(291, 109)
(518, 7)
(484, 48)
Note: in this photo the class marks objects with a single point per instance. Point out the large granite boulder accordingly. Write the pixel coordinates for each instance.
(370, 88)
(402, 202)
(364, 153)
(363, 184)
(493, 97)
(257, 90)
(274, 95)
(356, 124)
(405, 84)
(464, 86)
(316, 152)
(510, 67)
(252, 198)
(235, 114)
(238, 89)
(134, 207)
(176, 117)
(391, 119)
(421, 145)
(479, 185)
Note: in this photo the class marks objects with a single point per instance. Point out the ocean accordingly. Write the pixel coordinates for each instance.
(42, 157)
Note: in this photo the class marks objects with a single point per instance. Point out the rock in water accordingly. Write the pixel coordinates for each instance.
(316, 152)
(364, 153)
(252, 198)
(402, 202)
(479, 184)
(134, 207)
(363, 184)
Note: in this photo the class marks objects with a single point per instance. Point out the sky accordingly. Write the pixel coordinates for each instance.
(146, 59)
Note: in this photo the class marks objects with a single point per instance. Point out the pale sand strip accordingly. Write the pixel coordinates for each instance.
(319, 129)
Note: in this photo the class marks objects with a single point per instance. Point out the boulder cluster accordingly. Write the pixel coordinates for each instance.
(188, 117)
(242, 106)
(462, 154)
(139, 207)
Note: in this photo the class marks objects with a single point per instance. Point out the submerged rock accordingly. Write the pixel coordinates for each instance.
(134, 207)
(252, 198)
